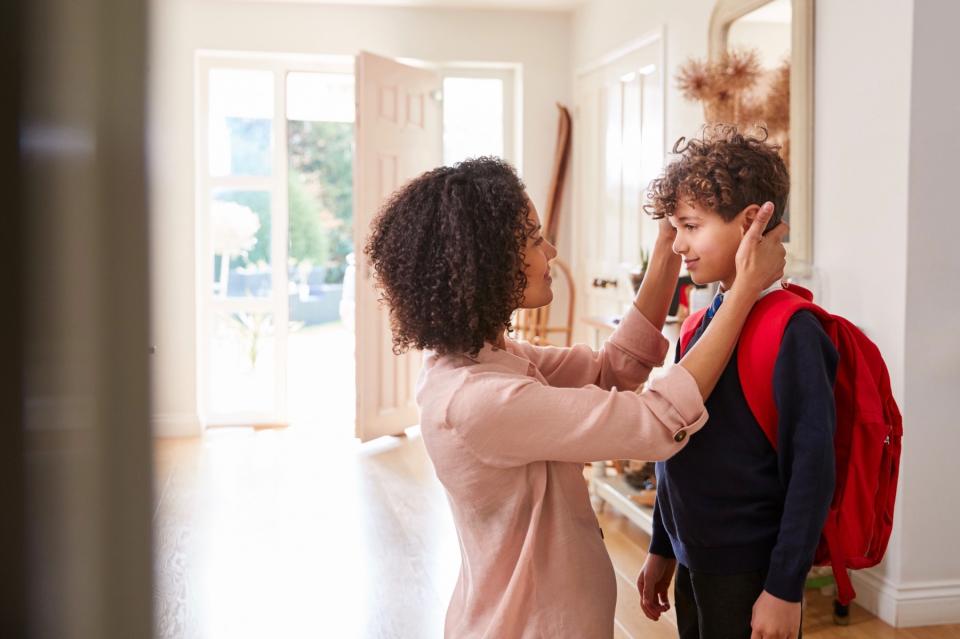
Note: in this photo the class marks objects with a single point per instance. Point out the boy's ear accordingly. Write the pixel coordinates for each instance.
(748, 214)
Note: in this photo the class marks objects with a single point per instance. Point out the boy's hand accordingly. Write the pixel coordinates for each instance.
(653, 583)
(775, 618)
(761, 258)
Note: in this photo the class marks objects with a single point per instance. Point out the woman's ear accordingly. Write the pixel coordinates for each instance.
(748, 215)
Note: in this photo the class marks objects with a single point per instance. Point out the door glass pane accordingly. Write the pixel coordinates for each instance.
(241, 122)
(472, 118)
(240, 232)
(242, 352)
(631, 187)
(612, 175)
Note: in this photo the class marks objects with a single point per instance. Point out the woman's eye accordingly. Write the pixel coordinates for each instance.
(690, 227)
(538, 241)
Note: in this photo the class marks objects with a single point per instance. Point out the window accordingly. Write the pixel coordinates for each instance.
(479, 114)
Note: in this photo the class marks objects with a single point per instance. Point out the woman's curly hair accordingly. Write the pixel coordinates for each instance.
(447, 251)
(724, 171)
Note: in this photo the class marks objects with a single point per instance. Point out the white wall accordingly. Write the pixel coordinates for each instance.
(861, 183)
(930, 523)
(885, 236)
(538, 41)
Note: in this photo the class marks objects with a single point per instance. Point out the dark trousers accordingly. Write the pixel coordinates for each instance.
(716, 606)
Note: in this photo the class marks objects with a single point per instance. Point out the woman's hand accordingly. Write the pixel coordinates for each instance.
(761, 258)
(668, 232)
(660, 280)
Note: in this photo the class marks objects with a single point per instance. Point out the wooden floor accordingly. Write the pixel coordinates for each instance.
(288, 534)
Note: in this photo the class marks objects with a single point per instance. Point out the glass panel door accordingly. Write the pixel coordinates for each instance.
(244, 287)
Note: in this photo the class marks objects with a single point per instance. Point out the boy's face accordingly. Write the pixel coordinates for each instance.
(708, 243)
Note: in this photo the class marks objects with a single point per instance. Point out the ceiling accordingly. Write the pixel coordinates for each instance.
(525, 5)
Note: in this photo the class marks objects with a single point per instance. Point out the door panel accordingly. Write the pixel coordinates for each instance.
(399, 136)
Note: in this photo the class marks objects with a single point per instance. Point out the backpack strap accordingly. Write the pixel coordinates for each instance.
(838, 560)
(759, 346)
(689, 327)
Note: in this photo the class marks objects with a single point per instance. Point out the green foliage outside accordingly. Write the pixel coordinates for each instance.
(320, 199)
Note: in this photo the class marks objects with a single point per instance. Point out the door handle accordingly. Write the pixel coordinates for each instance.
(599, 282)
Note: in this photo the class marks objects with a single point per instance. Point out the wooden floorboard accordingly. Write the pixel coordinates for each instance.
(289, 533)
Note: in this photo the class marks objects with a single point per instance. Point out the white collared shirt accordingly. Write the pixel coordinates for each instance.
(776, 286)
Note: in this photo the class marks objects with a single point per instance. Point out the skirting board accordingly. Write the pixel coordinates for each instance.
(176, 425)
(909, 605)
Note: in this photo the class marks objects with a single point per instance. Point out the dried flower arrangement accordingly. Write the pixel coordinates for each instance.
(736, 89)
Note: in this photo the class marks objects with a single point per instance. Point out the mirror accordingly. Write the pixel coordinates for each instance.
(765, 29)
(780, 32)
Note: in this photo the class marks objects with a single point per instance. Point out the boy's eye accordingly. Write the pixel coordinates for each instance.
(538, 241)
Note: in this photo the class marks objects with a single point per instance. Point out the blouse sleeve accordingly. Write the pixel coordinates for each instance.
(624, 361)
(510, 420)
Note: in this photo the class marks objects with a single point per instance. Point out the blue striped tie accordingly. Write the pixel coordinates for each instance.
(717, 301)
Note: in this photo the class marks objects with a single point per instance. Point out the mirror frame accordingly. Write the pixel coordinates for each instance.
(725, 12)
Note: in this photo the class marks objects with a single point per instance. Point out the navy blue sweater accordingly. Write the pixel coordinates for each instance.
(728, 502)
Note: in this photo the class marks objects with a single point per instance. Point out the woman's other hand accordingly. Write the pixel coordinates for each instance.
(761, 258)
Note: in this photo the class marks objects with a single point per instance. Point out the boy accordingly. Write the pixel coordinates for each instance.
(741, 519)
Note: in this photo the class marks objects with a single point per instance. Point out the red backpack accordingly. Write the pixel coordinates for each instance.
(869, 428)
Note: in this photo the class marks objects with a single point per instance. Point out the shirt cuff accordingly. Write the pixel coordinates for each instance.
(786, 586)
(681, 405)
(660, 546)
(640, 339)
(660, 540)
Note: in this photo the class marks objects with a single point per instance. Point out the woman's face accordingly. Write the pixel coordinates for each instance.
(536, 256)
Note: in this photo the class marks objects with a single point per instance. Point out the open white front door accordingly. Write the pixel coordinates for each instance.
(399, 135)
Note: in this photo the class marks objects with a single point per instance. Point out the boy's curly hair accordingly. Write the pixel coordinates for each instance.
(724, 171)
(447, 252)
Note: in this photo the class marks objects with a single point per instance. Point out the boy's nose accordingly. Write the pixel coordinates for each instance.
(679, 247)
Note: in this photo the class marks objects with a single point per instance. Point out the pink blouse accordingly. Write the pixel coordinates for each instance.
(508, 432)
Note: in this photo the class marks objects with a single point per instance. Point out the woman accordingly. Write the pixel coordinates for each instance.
(507, 425)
